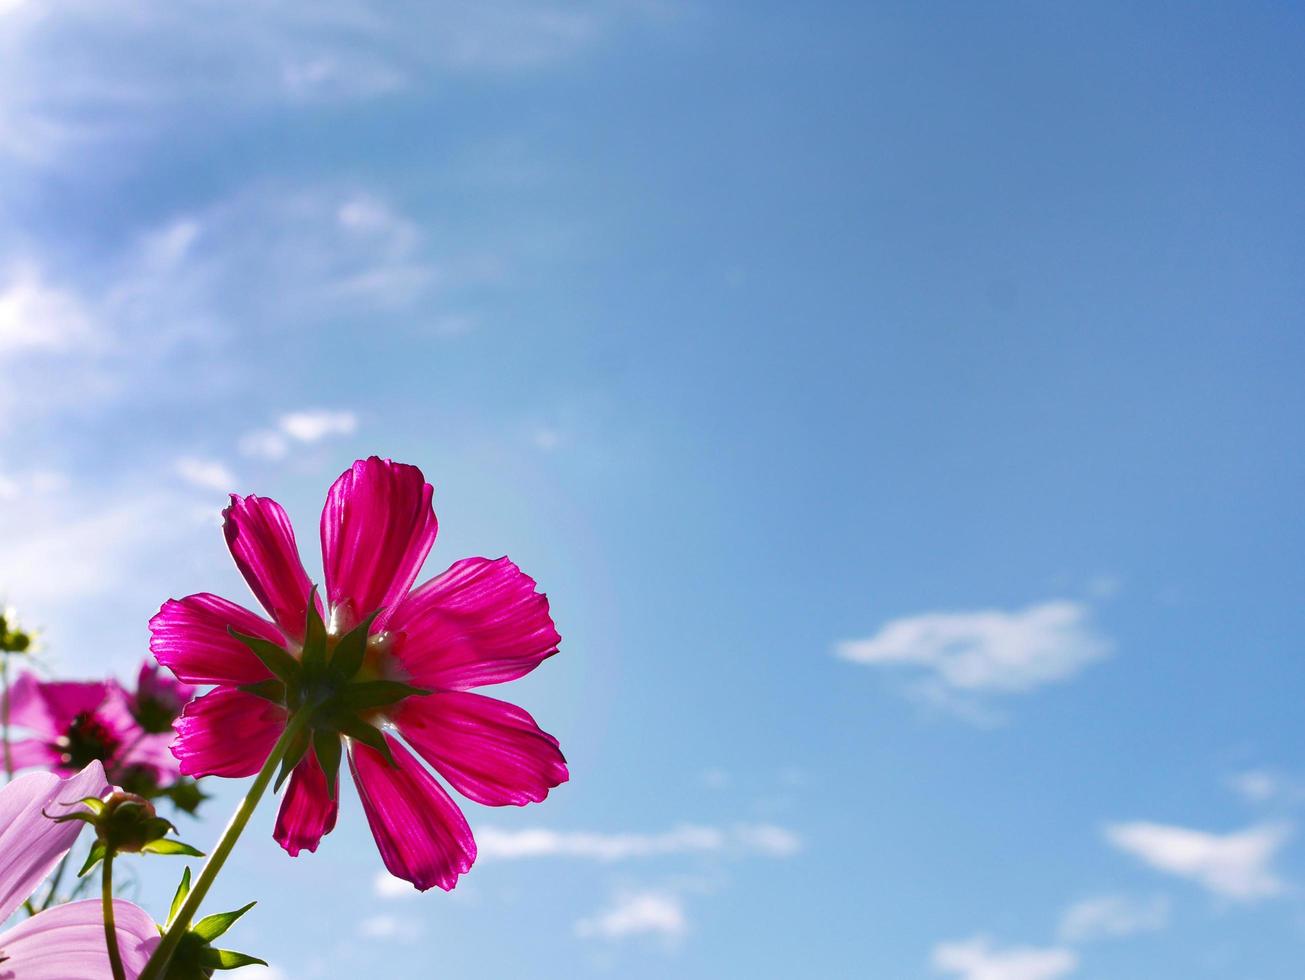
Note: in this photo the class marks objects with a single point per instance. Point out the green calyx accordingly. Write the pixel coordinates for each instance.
(125, 824)
(196, 958)
(334, 682)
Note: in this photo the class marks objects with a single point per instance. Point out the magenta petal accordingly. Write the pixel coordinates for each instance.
(31, 844)
(67, 943)
(308, 811)
(377, 528)
(29, 752)
(422, 835)
(480, 622)
(489, 751)
(48, 707)
(189, 636)
(226, 733)
(262, 542)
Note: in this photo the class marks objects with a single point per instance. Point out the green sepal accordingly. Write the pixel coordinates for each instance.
(376, 694)
(92, 803)
(314, 655)
(82, 815)
(369, 735)
(294, 752)
(179, 899)
(212, 926)
(326, 745)
(98, 851)
(275, 659)
(352, 649)
(269, 690)
(167, 846)
(227, 959)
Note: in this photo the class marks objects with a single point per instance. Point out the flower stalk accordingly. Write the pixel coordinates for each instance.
(110, 930)
(180, 923)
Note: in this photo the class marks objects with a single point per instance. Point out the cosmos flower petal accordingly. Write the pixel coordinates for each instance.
(307, 811)
(489, 751)
(422, 835)
(377, 528)
(479, 622)
(262, 542)
(226, 733)
(190, 637)
(31, 844)
(67, 942)
(48, 707)
(29, 752)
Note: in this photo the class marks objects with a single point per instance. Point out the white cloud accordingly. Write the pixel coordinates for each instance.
(638, 913)
(1263, 786)
(306, 426)
(385, 885)
(1110, 916)
(36, 316)
(207, 474)
(315, 425)
(1235, 865)
(389, 927)
(979, 959)
(758, 839)
(968, 654)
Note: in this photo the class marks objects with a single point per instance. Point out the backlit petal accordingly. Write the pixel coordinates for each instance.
(67, 943)
(307, 811)
(489, 751)
(262, 542)
(422, 835)
(226, 733)
(190, 637)
(377, 528)
(480, 622)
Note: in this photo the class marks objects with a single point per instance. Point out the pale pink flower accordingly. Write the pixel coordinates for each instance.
(65, 942)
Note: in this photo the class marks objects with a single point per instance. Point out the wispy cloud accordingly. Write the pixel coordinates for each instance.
(755, 839)
(207, 474)
(118, 63)
(389, 927)
(1112, 916)
(979, 959)
(638, 913)
(965, 656)
(305, 427)
(1236, 866)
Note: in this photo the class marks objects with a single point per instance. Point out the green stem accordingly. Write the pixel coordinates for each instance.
(55, 881)
(181, 923)
(4, 714)
(110, 931)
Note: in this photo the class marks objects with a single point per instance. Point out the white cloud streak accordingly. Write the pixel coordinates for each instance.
(638, 913)
(207, 474)
(745, 839)
(979, 959)
(1236, 866)
(1112, 916)
(966, 655)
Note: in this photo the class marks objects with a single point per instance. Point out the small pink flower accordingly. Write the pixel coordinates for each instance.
(158, 699)
(68, 940)
(391, 657)
(74, 723)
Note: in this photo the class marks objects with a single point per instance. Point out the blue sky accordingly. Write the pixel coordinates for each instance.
(900, 404)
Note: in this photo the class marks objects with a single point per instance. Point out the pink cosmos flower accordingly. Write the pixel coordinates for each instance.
(158, 699)
(65, 942)
(74, 723)
(385, 657)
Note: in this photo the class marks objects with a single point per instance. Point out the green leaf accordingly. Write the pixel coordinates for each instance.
(314, 656)
(274, 658)
(98, 850)
(326, 745)
(226, 959)
(352, 649)
(269, 690)
(179, 899)
(294, 752)
(166, 846)
(369, 735)
(376, 694)
(212, 926)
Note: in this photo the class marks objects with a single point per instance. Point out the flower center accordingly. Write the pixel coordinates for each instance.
(87, 739)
